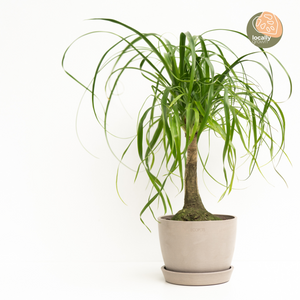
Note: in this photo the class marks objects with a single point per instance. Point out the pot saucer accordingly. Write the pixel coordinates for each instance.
(206, 278)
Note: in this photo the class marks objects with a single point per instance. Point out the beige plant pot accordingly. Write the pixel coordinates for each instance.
(197, 252)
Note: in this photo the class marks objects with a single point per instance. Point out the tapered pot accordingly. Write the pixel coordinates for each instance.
(197, 252)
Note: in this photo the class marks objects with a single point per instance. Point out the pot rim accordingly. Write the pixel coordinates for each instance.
(227, 218)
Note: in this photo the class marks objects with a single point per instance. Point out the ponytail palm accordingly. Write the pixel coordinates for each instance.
(195, 88)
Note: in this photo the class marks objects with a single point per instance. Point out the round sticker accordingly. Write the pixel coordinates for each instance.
(264, 30)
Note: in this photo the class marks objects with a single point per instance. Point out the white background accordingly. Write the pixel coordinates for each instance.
(64, 233)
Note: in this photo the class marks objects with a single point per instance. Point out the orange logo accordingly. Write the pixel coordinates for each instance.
(269, 24)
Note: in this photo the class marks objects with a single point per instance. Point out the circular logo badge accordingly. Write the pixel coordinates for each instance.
(264, 29)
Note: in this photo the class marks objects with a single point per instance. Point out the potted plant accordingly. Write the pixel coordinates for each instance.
(198, 85)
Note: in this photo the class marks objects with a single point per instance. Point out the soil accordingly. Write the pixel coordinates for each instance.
(194, 214)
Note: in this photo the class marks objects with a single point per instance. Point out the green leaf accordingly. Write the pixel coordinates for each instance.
(140, 134)
(175, 100)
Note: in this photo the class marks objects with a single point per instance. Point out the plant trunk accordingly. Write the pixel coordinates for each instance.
(193, 209)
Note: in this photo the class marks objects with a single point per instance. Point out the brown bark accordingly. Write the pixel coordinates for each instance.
(193, 209)
(191, 192)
